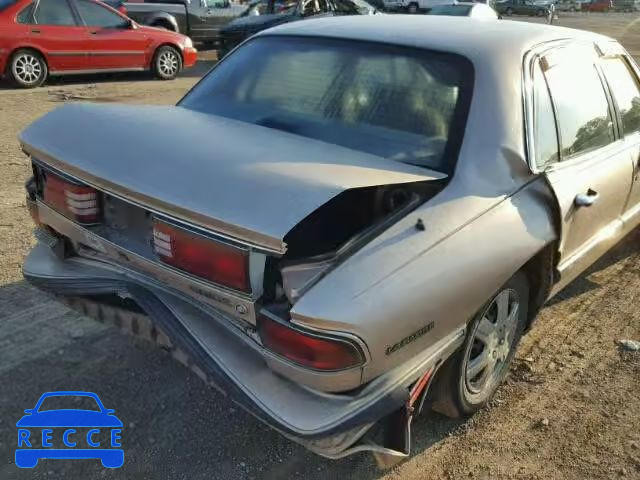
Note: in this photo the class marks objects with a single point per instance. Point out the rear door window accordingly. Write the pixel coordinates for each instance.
(624, 86)
(54, 12)
(582, 108)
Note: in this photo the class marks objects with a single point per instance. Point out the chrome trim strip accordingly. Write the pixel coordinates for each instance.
(106, 53)
(231, 233)
(70, 53)
(96, 70)
(95, 247)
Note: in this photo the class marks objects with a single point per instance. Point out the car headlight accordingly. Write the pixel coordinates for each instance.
(188, 43)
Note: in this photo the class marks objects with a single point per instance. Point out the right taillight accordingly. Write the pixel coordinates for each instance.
(308, 349)
(72, 199)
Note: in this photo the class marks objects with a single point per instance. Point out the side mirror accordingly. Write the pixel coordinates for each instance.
(109, 411)
(131, 25)
(29, 411)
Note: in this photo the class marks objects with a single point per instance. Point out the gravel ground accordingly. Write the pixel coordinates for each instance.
(570, 409)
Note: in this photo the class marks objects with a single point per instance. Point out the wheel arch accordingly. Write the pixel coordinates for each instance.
(165, 44)
(163, 18)
(26, 47)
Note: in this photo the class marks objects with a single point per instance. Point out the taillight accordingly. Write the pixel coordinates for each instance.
(307, 349)
(74, 200)
(201, 256)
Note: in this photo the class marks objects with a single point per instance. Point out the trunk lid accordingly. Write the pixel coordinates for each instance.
(246, 181)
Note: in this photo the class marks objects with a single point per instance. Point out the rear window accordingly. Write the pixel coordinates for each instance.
(4, 4)
(404, 104)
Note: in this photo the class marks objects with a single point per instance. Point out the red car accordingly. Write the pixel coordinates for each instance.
(597, 6)
(39, 38)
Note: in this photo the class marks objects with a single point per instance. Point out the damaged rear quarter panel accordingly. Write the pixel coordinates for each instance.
(413, 287)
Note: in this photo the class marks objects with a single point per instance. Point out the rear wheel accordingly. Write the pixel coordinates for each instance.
(28, 69)
(509, 11)
(470, 377)
(167, 63)
(540, 13)
(413, 8)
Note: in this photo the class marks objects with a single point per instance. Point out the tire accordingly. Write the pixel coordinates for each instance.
(540, 13)
(461, 389)
(572, 9)
(509, 11)
(27, 69)
(167, 63)
(412, 8)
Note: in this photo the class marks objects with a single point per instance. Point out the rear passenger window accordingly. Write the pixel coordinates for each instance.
(54, 12)
(624, 86)
(26, 14)
(582, 109)
(545, 135)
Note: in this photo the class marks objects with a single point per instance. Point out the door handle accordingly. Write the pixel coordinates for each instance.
(586, 199)
(93, 33)
(35, 31)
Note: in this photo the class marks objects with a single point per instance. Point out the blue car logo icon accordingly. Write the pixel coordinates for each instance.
(69, 433)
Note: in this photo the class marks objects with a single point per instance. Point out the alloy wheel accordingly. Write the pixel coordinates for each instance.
(168, 63)
(27, 68)
(492, 343)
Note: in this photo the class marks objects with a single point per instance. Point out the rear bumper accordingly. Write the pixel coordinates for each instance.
(326, 423)
(190, 57)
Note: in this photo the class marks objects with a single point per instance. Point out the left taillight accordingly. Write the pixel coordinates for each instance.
(72, 199)
(201, 255)
(306, 348)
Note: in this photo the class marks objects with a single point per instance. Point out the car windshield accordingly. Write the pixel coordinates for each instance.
(69, 402)
(6, 4)
(453, 10)
(403, 104)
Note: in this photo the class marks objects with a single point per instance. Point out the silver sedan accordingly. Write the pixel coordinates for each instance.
(347, 219)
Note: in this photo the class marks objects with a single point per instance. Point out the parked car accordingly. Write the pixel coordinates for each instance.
(242, 28)
(42, 38)
(201, 20)
(465, 9)
(522, 7)
(353, 228)
(597, 6)
(413, 6)
(568, 6)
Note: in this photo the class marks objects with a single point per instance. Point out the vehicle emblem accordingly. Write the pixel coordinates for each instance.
(76, 433)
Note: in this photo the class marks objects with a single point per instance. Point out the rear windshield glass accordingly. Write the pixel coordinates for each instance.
(403, 104)
(6, 4)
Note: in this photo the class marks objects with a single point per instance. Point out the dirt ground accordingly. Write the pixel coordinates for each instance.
(570, 409)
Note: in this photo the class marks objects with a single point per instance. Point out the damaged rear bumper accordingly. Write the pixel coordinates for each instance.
(329, 424)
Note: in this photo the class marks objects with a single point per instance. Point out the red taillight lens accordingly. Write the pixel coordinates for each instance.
(76, 201)
(201, 256)
(319, 353)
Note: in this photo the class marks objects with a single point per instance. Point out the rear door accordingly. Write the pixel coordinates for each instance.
(113, 45)
(54, 28)
(578, 147)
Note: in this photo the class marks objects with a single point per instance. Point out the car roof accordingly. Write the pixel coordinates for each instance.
(485, 41)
